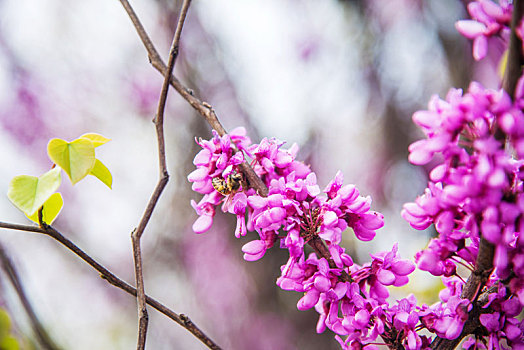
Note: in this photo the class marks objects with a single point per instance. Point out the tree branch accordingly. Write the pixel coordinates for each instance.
(515, 54)
(322, 251)
(42, 336)
(471, 291)
(114, 280)
(203, 108)
(162, 182)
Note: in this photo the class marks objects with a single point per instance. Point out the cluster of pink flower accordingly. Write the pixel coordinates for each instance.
(475, 143)
(489, 19)
(475, 140)
(354, 306)
(475, 189)
(294, 203)
(296, 206)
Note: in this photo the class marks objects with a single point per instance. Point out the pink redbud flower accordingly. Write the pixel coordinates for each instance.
(390, 269)
(254, 250)
(447, 318)
(206, 209)
(489, 19)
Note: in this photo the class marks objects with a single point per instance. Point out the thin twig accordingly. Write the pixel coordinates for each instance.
(322, 251)
(44, 339)
(143, 317)
(113, 279)
(203, 108)
(162, 182)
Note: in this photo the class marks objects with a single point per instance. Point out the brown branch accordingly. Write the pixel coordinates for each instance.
(162, 182)
(322, 251)
(154, 58)
(42, 336)
(203, 108)
(143, 317)
(113, 279)
(515, 54)
(471, 291)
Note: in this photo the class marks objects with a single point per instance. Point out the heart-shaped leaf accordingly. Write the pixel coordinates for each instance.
(29, 193)
(51, 209)
(97, 139)
(77, 157)
(102, 173)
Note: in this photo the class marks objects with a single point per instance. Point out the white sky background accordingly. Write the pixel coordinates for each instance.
(82, 50)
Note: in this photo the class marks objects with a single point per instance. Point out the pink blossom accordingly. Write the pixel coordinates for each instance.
(489, 19)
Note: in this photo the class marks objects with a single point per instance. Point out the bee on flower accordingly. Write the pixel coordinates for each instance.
(228, 186)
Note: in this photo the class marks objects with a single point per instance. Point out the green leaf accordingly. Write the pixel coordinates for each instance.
(29, 193)
(9, 343)
(52, 208)
(97, 139)
(77, 157)
(103, 174)
(5, 323)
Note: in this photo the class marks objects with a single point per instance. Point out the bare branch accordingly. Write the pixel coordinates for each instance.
(113, 279)
(143, 317)
(162, 182)
(203, 108)
(42, 336)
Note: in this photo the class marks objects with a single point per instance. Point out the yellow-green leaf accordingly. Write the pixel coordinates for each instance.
(102, 173)
(77, 157)
(9, 343)
(97, 139)
(5, 323)
(29, 193)
(52, 208)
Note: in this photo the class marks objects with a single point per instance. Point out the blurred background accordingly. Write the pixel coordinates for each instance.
(340, 78)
